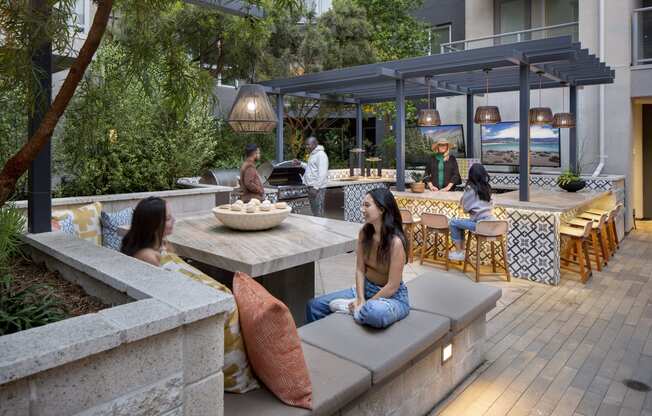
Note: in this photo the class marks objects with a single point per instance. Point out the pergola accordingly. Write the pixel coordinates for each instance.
(514, 67)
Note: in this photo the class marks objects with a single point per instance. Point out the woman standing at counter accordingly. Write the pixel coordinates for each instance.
(442, 172)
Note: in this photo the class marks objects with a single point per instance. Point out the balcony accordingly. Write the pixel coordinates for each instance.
(642, 36)
(544, 32)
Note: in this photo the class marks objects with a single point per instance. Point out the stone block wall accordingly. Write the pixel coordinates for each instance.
(158, 352)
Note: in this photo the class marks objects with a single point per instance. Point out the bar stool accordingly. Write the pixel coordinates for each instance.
(409, 228)
(598, 242)
(578, 248)
(611, 223)
(603, 229)
(438, 225)
(493, 231)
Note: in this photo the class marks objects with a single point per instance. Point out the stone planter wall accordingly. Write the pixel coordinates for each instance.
(158, 351)
(184, 202)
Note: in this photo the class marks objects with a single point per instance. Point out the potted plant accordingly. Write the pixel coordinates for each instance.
(418, 185)
(570, 181)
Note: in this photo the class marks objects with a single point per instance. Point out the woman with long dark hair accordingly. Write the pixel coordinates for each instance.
(476, 201)
(379, 297)
(152, 221)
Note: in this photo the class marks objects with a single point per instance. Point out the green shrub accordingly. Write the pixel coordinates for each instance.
(122, 134)
(12, 224)
(13, 128)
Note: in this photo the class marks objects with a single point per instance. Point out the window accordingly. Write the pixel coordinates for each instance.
(80, 15)
(512, 16)
(559, 12)
(439, 35)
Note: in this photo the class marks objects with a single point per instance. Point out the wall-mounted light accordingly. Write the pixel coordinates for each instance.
(446, 353)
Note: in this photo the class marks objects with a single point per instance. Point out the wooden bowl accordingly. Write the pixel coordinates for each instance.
(255, 221)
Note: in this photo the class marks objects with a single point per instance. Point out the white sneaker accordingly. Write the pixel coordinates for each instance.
(456, 256)
(340, 305)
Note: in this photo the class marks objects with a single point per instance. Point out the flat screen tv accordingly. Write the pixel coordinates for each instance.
(452, 133)
(500, 141)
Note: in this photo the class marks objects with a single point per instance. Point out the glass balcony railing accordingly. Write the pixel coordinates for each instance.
(545, 32)
(642, 36)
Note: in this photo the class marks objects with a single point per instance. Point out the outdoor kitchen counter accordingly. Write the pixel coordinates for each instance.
(543, 200)
(533, 240)
(282, 259)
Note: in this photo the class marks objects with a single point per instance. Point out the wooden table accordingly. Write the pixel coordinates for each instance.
(281, 259)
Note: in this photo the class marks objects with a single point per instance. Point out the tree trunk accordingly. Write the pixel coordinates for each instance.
(20, 162)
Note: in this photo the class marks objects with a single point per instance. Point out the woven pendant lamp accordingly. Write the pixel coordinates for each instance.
(428, 117)
(252, 112)
(563, 120)
(540, 115)
(487, 114)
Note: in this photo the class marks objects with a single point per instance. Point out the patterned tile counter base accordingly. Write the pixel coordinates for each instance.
(533, 245)
(354, 195)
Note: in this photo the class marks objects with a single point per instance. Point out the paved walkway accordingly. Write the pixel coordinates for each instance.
(557, 350)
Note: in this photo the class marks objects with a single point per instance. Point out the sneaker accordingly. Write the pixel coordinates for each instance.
(340, 305)
(456, 256)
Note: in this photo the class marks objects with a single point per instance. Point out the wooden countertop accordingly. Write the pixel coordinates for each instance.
(300, 239)
(544, 200)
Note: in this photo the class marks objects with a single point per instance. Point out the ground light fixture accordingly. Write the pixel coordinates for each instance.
(540, 116)
(428, 117)
(563, 120)
(252, 112)
(487, 114)
(446, 352)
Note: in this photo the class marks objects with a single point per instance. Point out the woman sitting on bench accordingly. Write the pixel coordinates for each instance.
(379, 297)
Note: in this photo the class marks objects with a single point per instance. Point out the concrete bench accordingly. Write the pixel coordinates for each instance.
(357, 370)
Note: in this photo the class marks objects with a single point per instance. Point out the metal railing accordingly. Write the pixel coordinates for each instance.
(642, 36)
(544, 32)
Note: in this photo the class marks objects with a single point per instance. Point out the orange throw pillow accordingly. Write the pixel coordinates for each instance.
(272, 342)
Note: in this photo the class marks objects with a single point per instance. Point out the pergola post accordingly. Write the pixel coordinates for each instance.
(469, 126)
(400, 134)
(524, 133)
(39, 197)
(358, 134)
(572, 134)
(280, 102)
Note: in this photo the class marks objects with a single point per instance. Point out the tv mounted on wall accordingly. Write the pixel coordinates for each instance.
(419, 140)
(500, 145)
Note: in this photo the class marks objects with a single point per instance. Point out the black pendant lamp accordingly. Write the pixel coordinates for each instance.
(252, 112)
(487, 114)
(540, 116)
(563, 120)
(428, 117)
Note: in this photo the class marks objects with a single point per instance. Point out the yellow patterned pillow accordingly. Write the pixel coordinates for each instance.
(238, 377)
(85, 221)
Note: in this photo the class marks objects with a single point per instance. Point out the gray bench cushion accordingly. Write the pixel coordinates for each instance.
(381, 351)
(455, 297)
(335, 382)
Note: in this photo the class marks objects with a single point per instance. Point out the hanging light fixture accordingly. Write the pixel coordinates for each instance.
(428, 117)
(252, 112)
(540, 115)
(487, 114)
(563, 120)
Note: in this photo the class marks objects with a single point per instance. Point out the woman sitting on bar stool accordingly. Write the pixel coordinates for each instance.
(442, 172)
(476, 201)
(379, 297)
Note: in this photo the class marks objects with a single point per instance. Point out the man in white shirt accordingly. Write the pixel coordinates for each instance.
(316, 175)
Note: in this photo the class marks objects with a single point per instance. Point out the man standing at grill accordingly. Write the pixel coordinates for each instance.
(316, 175)
(250, 184)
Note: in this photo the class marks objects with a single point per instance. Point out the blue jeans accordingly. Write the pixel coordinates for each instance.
(377, 313)
(458, 225)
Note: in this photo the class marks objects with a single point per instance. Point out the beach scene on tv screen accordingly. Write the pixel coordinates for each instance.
(500, 145)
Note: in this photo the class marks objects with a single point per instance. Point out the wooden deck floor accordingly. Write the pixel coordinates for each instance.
(567, 350)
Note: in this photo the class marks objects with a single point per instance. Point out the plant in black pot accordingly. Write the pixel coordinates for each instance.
(570, 181)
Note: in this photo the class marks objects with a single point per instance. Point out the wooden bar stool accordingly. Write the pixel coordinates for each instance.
(596, 237)
(611, 223)
(493, 231)
(577, 251)
(410, 223)
(604, 229)
(436, 224)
